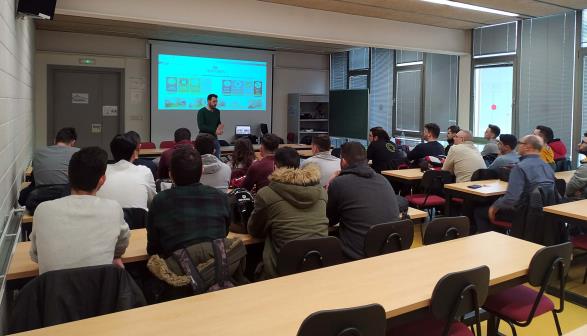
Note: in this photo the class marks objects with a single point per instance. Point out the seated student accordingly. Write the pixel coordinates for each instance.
(242, 158)
(131, 186)
(450, 133)
(546, 154)
(81, 229)
(524, 177)
(491, 134)
(576, 186)
(464, 157)
(216, 173)
(258, 174)
(292, 206)
(136, 138)
(326, 162)
(190, 212)
(507, 148)
(50, 163)
(182, 138)
(358, 198)
(429, 148)
(383, 153)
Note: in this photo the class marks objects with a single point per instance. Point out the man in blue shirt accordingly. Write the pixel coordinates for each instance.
(525, 176)
(507, 148)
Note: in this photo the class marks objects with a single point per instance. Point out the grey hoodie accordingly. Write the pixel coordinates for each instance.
(216, 173)
(327, 163)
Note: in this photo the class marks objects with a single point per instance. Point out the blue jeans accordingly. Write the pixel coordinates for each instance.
(217, 148)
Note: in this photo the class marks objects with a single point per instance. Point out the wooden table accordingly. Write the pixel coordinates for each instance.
(490, 190)
(558, 215)
(22, 266)
(414, 174)
(572, 210)
(223, 149)
(566, 175)
(401, 282)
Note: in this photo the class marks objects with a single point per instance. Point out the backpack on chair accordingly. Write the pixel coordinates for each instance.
(241, 203)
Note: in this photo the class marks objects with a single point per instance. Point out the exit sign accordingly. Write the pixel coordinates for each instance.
(87, 61)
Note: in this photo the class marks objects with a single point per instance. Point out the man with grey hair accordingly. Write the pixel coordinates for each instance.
(524, 177)
(463, 158)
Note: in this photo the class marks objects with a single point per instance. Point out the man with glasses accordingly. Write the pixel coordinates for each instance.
(578, 183)
(525, 176)
(507, 148)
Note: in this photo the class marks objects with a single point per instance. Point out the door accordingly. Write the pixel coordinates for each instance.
(88, 100)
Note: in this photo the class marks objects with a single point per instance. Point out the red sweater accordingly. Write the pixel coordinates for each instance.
(559, 149)
(258, 174)
(165, 160)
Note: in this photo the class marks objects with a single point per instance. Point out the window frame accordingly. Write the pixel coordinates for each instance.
(358, 72)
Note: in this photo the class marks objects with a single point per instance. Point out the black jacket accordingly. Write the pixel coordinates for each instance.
(358, 199)
(385, 155)
(73, 294)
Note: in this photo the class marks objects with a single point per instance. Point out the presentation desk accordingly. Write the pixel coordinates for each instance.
(22, 266)
(401, 282)
(223, 149)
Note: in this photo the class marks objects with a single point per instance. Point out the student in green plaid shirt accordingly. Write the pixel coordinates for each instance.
(190, 212)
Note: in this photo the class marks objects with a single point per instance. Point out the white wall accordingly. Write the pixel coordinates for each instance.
(16, 105)
(268, 19)
(296, 73)
(293, 73)
(61, 48)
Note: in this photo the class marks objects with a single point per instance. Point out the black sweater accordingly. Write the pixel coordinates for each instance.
(385, 155)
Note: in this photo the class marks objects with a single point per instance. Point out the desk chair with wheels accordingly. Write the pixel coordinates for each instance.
(366, 320)
(445, 228)
(389, 237)
(519, 305)
(455, 295)
(303, 255)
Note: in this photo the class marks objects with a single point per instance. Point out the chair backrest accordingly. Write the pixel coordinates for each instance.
(529, 223)
(433, 181)
(303, 255)
(458, 293)
(136, 218)
(148, 145)
(549, 260)
(504, 173)
(73, 294)
(484, 174)
(389, 237)
(561, 186)
(563, 164)
(445, 228)
(366, 320)
(167, 144)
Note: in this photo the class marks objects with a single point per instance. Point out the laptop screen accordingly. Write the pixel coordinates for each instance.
(243, 130)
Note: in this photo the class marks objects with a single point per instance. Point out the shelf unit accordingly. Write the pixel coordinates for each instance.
(307, 114)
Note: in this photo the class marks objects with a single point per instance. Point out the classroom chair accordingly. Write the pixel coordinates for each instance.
(136, 218)
(389, 237)
(518, 306)
(432, 184)
(580, 242)
(366, 320)
(445, 228)
(484, 174)
(73, 294)
(148, 145)
(454, 295)
(166, 144)
(303, 255)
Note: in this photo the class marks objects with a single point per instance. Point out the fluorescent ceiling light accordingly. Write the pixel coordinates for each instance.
(471, 7)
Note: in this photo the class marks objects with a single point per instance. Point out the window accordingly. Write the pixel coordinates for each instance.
(358, 82)
(495, 40)
(338, 71)
(441, 86)
(381, 92)
(408, 96)
(359, 59)
(493, 92)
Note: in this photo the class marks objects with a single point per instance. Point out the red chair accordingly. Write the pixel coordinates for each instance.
(519, 305)
(455, 295)
(432, 184)
(580, 242)
(148, 145)
(166, 144)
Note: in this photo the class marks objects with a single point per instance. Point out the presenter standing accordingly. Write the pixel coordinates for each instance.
(209, 121)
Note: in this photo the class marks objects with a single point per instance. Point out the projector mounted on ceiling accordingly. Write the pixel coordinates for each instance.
(44, 9)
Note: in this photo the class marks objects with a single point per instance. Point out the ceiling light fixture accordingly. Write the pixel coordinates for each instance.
(471, 7)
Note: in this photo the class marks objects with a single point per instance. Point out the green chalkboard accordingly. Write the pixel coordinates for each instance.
(349, 114)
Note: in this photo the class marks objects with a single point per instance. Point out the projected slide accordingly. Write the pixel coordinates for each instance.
(184, 83)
